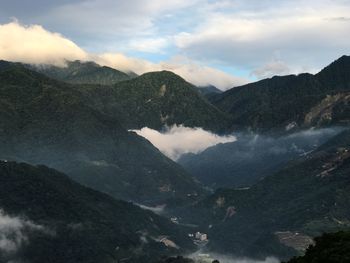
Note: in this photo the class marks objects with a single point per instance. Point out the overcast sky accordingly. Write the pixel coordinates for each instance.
(230, 41)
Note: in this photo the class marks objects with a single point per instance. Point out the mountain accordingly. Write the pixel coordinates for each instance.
(291, 101)
(209, 91)
(251, 157)
(78, 72)
(178, 259)
(44, 121)
(156, 99)
(46, 217)
(281, 214)
(152, 100)
(330, 248)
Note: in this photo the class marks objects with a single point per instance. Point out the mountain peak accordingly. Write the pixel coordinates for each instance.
(338, 63)
(163, 75)
(84, 72)
(79, 63)
(336, 74)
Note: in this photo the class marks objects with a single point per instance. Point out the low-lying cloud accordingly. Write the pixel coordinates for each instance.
(271, 69)
(13, 232)
(252, 156)
(178, 140)
(35, 45)
(222, 258)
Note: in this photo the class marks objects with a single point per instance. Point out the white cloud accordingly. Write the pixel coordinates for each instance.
(243, 35)
(150, 45)
(202, 75)
(189, 70)
(232, 259)
(12, 232)
(125, 63)
(271, 69)
(299, 33)
(34, 44)
(178, 140)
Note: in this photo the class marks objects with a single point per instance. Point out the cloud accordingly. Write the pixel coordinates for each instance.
(178, 140)
(234, 35)
(34, 44)
(297, 33)
(199, 255)
(149, 45)
(253, 156)
(125, 63)
(113, 18)
(190, 71)
(202, 75)
(13, 232)
(271, 69)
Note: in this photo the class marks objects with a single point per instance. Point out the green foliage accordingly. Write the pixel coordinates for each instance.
(44, 121)
(329, 248)
(178, 259)
(309, 195)
(80, 224)
(251, 157)
(276, 102)
(157, 99)
(77, 72)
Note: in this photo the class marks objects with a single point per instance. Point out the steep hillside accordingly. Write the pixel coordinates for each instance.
(46, 217)
(78, 72)
(280, 214)
(288, 101)
(44, 121)
(157, 99)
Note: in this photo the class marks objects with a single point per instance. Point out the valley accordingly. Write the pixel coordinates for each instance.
(85, 186)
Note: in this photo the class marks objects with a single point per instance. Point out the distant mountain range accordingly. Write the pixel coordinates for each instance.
(163, 98)
(44, 121)
(209, 91)
(57, 220)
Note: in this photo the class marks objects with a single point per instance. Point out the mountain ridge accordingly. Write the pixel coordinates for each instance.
(81, 72)
(68, 222)
(305, 198)
(280, 101)
(45, 121)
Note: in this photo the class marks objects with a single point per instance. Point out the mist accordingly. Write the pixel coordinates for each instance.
(176, 140)
(222, 258)
(14, 235)
(252, 156)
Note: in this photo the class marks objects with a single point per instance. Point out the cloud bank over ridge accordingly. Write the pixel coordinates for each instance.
(35, 45)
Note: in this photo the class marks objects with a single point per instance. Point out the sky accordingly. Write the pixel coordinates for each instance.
(225, 42)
